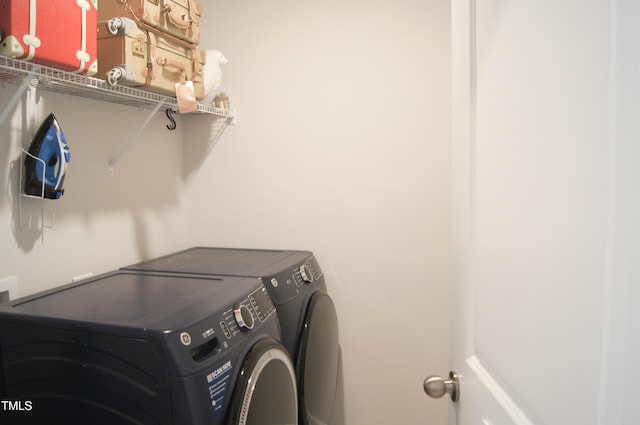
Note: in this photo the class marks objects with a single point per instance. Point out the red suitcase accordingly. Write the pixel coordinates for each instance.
(60, 34)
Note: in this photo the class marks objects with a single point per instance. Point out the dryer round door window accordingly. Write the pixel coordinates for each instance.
(318, 358)
(266, 391)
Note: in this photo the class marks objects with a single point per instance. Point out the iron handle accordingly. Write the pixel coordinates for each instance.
(436, 387)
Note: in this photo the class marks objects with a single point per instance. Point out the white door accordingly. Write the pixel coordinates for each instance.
(546, 211)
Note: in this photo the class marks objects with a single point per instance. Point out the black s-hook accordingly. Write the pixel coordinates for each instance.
(172, 125)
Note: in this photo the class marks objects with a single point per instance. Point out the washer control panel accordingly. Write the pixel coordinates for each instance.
(243, 316)
(262, 304)
(216, 333)
(295, 280)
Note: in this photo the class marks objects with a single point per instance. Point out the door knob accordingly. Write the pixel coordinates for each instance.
(436, 387)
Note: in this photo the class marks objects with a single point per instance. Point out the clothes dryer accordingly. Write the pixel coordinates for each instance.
(307, 314)
(129, 348)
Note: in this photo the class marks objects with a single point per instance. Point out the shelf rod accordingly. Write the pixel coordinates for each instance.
(115, 160)
(9, 106)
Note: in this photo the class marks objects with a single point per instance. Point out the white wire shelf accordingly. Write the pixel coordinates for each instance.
(14, 71)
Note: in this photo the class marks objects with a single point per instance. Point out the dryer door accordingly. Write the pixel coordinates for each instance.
(318, 361)
(266, 392)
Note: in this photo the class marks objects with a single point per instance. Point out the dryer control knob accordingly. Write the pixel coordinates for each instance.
(243, 317)
(306, 274)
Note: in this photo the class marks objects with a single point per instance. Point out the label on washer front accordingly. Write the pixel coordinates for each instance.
(218, 381)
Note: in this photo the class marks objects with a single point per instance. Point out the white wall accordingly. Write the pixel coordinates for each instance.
(102, 222)
(342, 147)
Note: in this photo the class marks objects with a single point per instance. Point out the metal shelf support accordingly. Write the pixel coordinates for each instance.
(17, 95)
(133, 138)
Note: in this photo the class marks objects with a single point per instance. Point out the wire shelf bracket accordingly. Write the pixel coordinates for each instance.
(16, 96)
(133, 138)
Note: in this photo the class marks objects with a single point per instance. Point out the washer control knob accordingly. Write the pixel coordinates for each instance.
(306, 274)
(243, 317)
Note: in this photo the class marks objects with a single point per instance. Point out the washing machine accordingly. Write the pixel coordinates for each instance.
(307, 314)
(146, 348)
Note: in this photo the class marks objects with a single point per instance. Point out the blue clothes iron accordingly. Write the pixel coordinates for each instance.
(47, 161)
